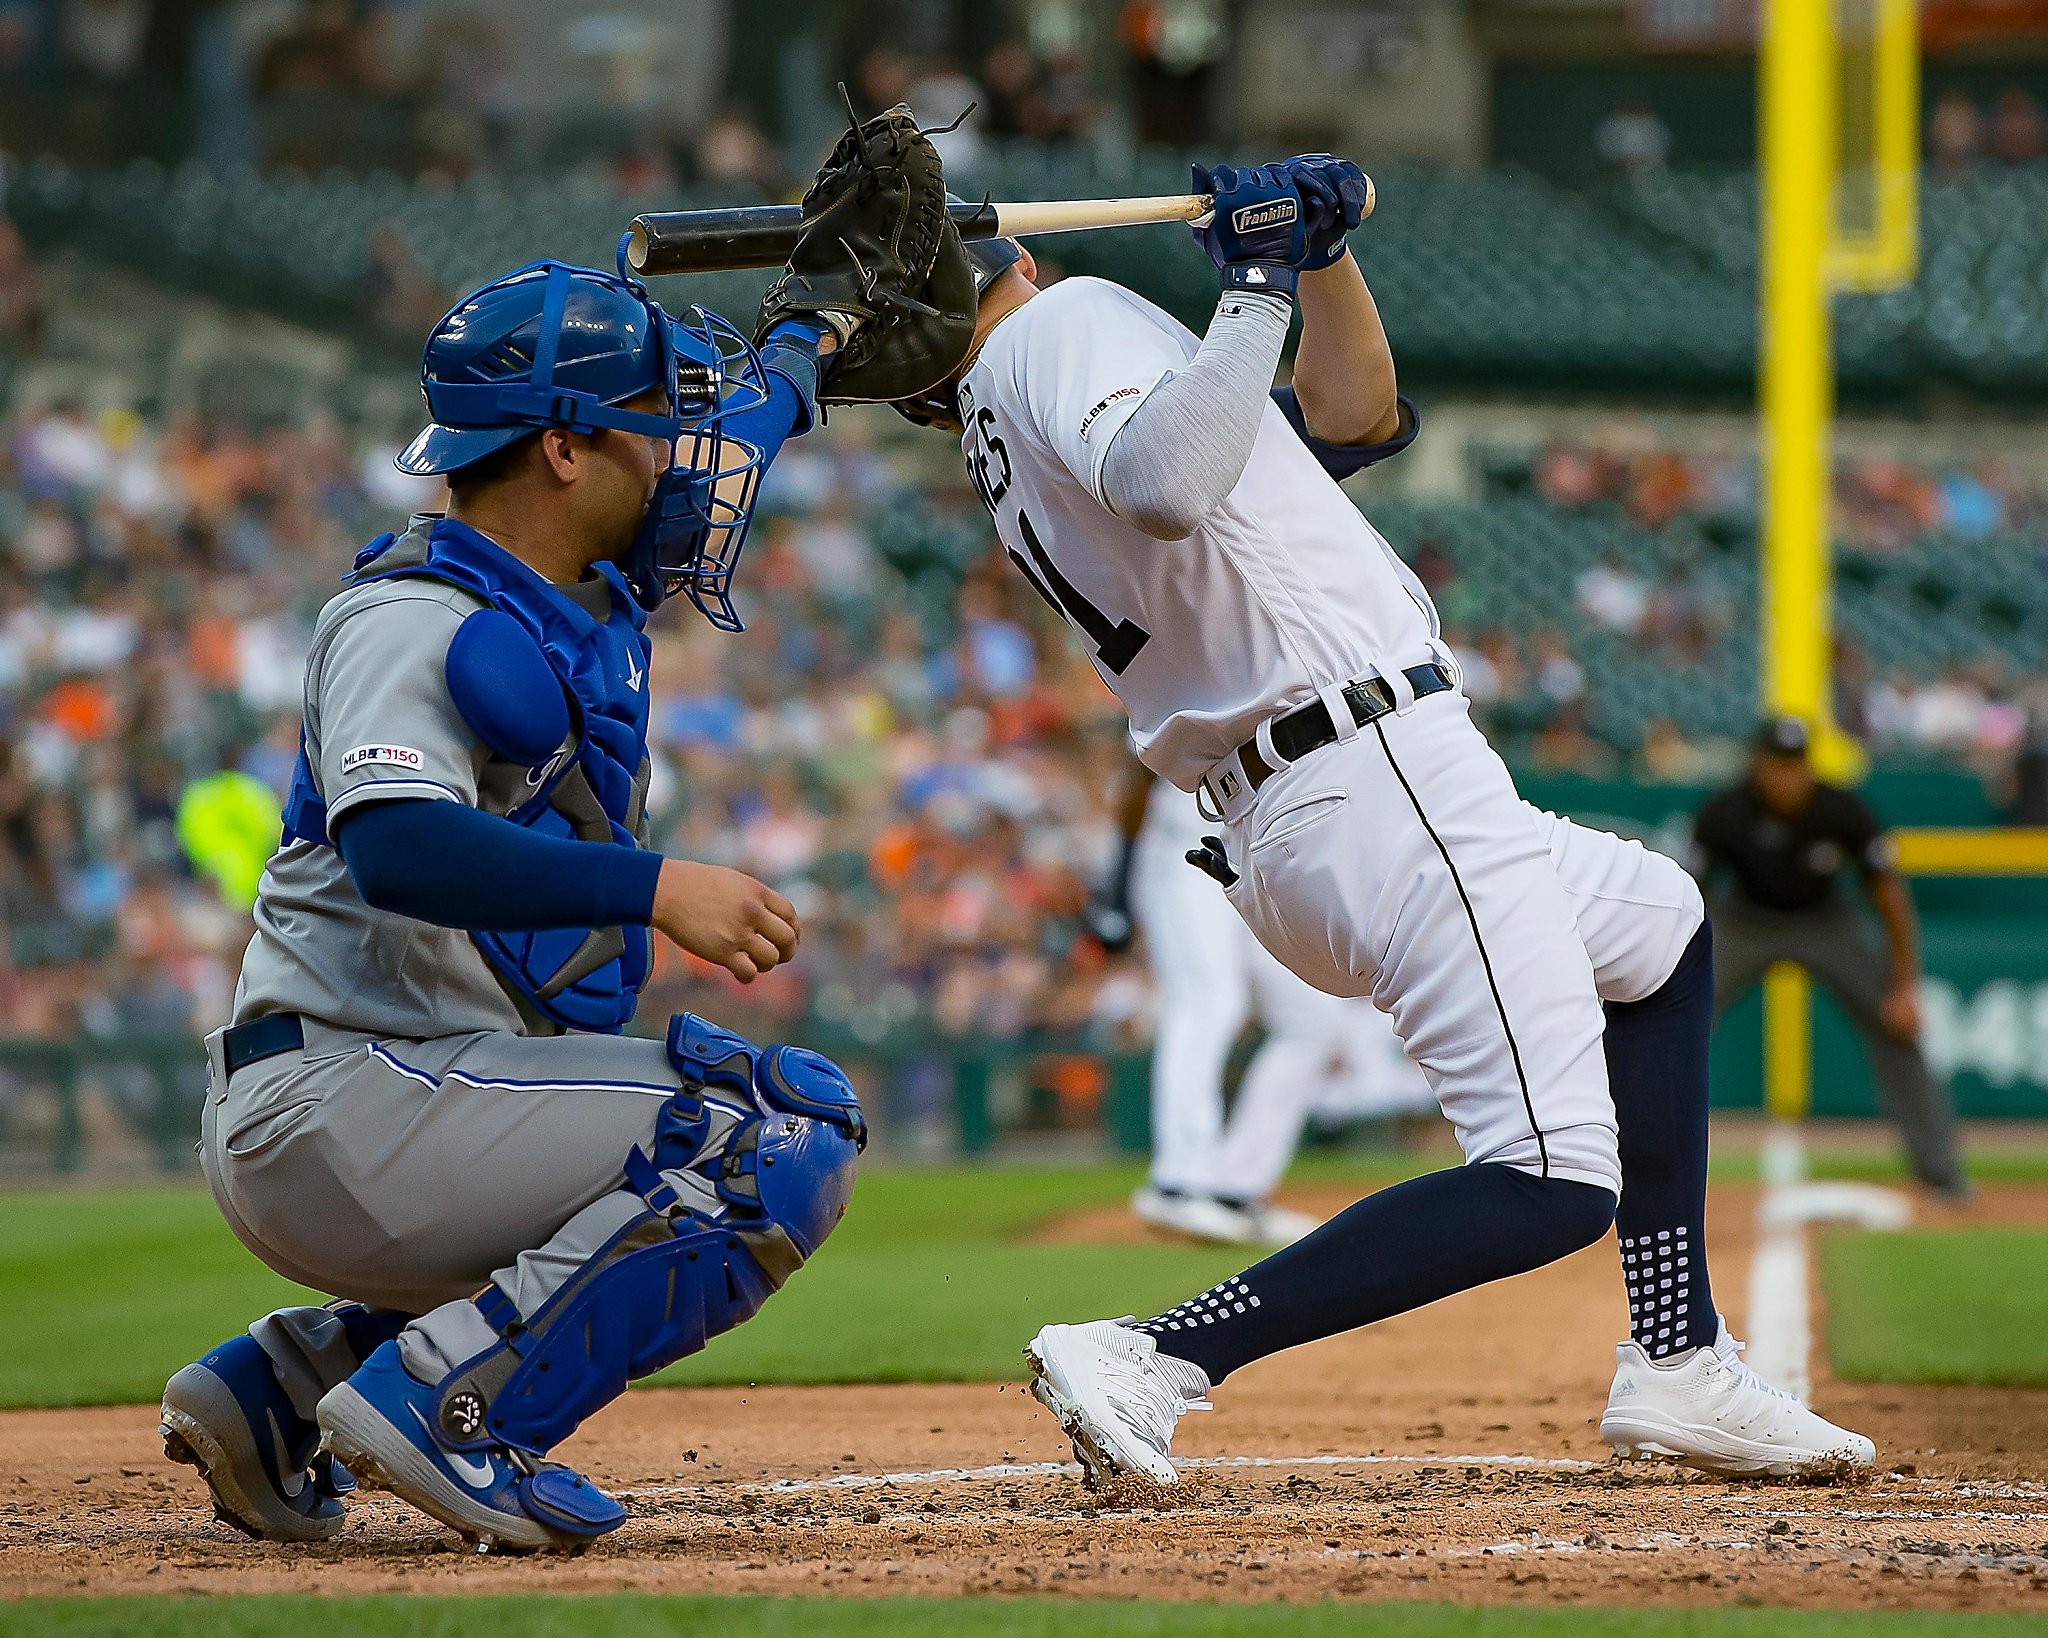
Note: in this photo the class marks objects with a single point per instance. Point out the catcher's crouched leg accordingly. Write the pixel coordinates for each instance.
(751, 1165)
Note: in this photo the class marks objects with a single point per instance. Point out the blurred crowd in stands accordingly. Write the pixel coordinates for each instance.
(1878, 505)
(904, 739)
(1982, 713)
(932, 792)
(379, 85)
(1963, 130)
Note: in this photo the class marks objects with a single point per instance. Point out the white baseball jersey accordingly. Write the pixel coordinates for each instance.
(1284, 589)
(1397, 862)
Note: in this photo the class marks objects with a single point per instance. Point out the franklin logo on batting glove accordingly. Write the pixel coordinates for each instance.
(1273, 213)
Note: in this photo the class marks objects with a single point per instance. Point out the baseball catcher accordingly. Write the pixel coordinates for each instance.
(424, 1104)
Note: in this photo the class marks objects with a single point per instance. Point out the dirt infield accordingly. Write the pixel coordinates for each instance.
(1449, 1454)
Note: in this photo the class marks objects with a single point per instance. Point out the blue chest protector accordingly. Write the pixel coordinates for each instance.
(549, 686)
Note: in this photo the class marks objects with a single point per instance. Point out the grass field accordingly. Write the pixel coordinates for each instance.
(928, 1279)
(1955, 1306)
(933, 1277)
(603, 1617)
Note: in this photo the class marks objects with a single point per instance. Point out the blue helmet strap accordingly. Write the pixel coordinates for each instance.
(553, 300)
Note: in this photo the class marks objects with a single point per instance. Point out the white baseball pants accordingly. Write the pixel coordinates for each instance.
(1400, 863)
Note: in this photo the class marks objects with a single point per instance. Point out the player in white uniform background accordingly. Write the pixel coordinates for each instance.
(1553, 983)
(1212, 1176)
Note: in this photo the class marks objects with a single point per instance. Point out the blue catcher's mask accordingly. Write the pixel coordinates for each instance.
(551, 345)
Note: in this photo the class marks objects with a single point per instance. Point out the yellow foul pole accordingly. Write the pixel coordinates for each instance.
(1796, 392)
(1796, 375)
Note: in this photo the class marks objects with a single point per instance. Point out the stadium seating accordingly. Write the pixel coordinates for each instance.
(1493, 277)
(1976, 315)
(1941, 602)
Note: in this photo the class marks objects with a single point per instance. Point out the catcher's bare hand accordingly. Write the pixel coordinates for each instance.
(725, 917)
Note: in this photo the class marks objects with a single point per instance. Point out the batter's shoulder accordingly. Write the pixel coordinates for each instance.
(1085, 294)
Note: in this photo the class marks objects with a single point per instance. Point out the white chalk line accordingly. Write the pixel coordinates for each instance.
(1045, 1470)
(928, 1477)
(1780, 1319)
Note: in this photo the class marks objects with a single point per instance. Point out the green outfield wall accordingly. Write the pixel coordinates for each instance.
(1985, 998)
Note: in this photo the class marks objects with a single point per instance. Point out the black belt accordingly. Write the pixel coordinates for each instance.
(1310, 728)
(261, 1038)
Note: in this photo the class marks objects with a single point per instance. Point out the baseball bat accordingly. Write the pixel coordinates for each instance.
(715, 241)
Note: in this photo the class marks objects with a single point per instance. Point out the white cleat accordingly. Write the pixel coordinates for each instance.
(1277, 1226)
(1198, 1216)
(1104, 1382)
(1709, 1410)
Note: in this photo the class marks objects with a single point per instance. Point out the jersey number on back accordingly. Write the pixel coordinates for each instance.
(1117, 642)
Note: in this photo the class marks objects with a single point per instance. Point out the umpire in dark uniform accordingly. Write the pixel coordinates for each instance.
(1770, 851)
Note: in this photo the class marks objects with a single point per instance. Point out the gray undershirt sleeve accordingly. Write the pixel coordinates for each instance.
(1183, 450)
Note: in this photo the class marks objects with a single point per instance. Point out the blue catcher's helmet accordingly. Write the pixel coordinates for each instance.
(551, 345)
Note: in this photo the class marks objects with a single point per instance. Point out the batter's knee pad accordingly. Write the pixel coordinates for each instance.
(752, 1167)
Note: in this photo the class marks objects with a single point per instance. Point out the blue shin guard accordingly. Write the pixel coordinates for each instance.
(752, 1167)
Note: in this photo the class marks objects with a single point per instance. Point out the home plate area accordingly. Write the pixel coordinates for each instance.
(1450, 1454)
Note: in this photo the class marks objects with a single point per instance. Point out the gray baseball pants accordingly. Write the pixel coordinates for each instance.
(1840, 949)
(410, 1174)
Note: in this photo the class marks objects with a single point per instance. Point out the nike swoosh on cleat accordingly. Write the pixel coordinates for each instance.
(288, 1481)
(474, 1471)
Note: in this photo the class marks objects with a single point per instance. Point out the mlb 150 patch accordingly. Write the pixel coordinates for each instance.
(390, 756)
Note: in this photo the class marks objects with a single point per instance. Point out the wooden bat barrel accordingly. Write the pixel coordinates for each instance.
(742, 236)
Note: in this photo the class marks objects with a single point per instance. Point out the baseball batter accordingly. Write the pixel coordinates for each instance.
(1554, 983)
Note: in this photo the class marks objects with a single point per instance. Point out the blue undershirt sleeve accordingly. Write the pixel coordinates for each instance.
(1341, 460)
(769, 425)
(447, 863)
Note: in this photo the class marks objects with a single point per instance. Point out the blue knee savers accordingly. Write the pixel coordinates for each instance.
(752, 1167)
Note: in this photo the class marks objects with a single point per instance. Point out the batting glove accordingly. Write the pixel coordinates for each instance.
(1257, 232)
(1333, 197)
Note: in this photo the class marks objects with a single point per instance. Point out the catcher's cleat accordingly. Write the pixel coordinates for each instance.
(227, 1416)
(1709, 1410)
(380, 1422)
(1103, 1382)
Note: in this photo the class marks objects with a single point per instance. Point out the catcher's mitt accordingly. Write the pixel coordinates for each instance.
(877, 257)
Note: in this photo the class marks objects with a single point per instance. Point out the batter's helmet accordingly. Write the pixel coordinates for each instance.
(551, 345)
